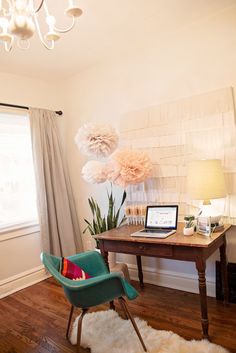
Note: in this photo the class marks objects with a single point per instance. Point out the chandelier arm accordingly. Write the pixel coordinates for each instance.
(20, 41)
(8, 48)
(47, 46)
(59, 30)
(39, 7)
(66, 29)
(40, 34)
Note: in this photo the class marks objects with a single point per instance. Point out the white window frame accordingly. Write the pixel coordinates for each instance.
(19, 229)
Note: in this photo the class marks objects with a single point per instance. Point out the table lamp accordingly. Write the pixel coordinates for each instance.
(205, 181)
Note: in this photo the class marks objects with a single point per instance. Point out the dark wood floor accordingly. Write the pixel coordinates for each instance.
(35, 319)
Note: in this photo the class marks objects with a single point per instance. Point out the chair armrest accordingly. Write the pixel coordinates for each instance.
(108, 283)
(90, 282)
(80, 284)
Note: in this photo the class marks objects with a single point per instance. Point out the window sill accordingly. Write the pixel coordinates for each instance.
(18, 231)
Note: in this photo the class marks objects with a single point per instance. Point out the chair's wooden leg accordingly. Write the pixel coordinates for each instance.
(123, 308)
(112, 305)
(127, 312)
(79, 331)
(69, 321)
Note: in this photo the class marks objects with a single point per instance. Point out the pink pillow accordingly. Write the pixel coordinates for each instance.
(73, 271)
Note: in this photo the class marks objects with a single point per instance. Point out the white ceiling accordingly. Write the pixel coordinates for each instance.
(107, 28)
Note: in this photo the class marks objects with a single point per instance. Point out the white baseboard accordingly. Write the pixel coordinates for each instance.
(176, 280)
(22, 280)
(163, 278)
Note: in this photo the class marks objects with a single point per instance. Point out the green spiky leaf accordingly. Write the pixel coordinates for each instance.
(106, 222)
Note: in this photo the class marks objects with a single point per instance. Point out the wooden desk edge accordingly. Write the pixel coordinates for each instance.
(114, 235)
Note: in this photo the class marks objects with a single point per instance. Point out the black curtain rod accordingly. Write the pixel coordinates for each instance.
(58, 112)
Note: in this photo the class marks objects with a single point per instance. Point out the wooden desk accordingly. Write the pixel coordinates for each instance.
(196, 248)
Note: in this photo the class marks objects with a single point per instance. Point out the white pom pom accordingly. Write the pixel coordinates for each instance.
(97, 140)
(94, 172)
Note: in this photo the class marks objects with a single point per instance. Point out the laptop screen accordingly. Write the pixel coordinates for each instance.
(164, 217)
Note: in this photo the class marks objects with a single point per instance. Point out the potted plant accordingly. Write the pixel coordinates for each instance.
(189, 225)
(101, 223)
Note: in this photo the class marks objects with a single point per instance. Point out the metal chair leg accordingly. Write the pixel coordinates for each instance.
(79, 331)
(69, 322)
(127, 312)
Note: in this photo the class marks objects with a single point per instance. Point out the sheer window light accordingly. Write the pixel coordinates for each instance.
(17, 180)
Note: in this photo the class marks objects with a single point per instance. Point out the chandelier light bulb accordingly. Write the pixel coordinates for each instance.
(51, 20)
(20, 21)
(4, 35)
(21, 5)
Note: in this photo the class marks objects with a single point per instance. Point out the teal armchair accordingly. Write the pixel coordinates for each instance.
(101, 288)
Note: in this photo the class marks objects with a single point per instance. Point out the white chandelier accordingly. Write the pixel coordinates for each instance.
(19, 18)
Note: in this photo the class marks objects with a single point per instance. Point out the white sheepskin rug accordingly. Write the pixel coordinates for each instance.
(106, 332)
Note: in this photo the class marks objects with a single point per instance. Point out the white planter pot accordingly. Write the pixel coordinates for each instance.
(188, 231)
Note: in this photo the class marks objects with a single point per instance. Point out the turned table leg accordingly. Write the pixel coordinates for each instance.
(201, 268)
(105, 257)
(140, 270)
(224, 271)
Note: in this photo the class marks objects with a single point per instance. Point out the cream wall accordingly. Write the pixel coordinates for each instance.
(198, 58)
(28, 91)
(20, 263)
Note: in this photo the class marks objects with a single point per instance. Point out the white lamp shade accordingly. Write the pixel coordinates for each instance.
(205, 180)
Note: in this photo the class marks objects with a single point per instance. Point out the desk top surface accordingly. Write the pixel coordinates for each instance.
(178, 239)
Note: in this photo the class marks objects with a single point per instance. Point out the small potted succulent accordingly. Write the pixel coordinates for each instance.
(189, 225)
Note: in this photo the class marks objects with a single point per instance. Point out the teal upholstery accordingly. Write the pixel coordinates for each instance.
(102, 287)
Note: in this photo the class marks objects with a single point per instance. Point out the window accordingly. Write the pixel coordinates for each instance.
(17, 180)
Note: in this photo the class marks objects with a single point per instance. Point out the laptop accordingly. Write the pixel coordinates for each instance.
(160, 222)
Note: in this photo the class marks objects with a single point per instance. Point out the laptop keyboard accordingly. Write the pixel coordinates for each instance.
(159, 231)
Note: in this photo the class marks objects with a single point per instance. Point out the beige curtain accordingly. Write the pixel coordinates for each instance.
(57, 214)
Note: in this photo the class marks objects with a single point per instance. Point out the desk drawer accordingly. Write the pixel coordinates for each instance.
(136, 248)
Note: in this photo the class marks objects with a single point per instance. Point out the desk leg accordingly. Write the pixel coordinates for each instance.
(140, 270)
(224, 271)
(105, 257)
(201, 268)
